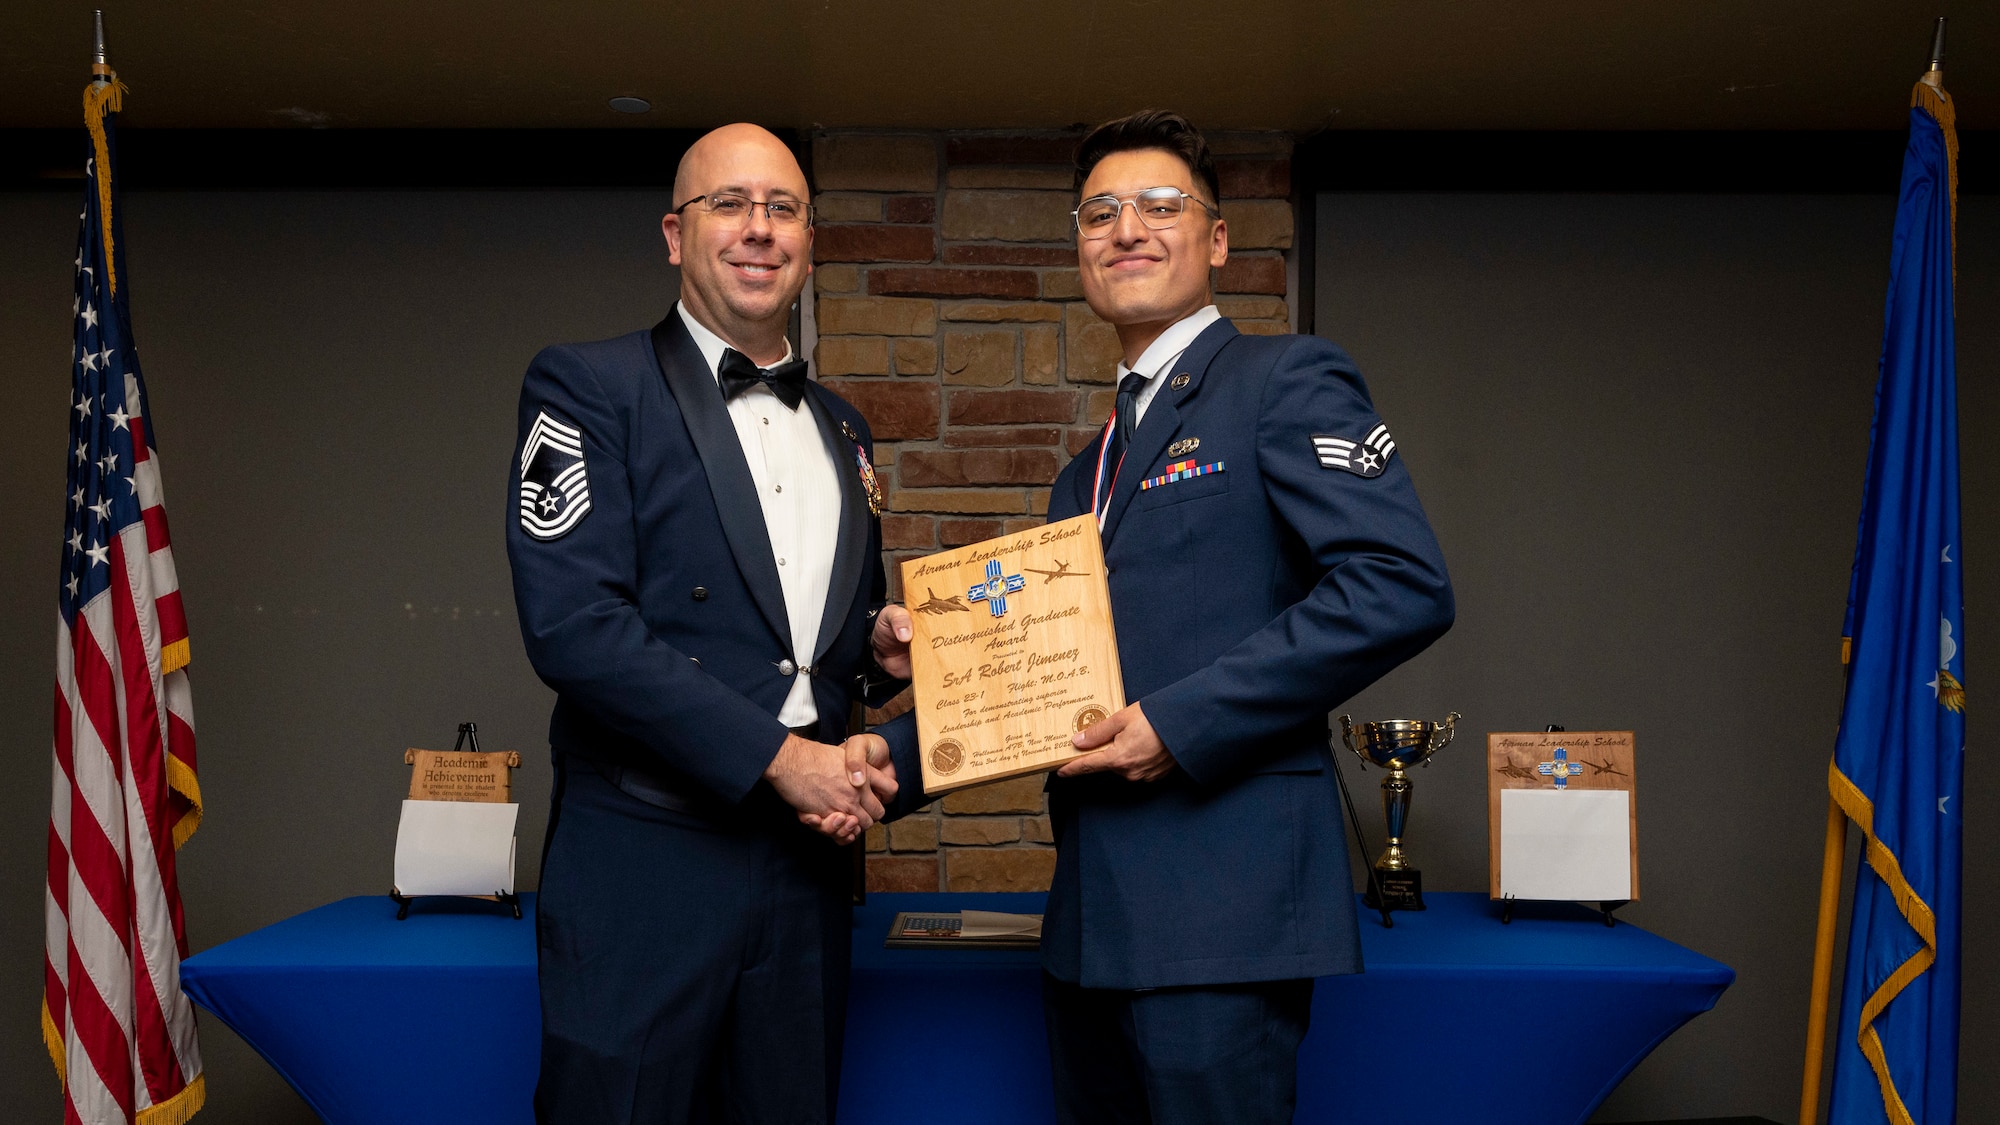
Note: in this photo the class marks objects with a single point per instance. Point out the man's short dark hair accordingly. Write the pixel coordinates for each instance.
(1150, 128)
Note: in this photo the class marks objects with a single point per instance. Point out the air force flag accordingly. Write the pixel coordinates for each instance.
(1898, 762)
(555, 486)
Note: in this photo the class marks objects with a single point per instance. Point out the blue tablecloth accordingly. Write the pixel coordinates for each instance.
(434, 1019)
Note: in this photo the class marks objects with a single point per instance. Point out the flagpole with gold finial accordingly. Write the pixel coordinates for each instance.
(105, 94)
(1929, 91)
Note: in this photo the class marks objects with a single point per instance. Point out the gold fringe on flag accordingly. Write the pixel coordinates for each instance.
(1915, 911)
(179, 1109)
(1934, 101)
(52, 1039)
(100, 98)
(181, 779)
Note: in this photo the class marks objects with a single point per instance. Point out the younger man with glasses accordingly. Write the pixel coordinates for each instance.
(1202, 878)
(697, 565)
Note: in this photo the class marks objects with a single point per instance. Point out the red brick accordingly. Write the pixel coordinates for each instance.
(925, 469)
(908, 533)
(1011, 408)
(913, 209)
(893, 563)
(934, 282)
(994, 148)
(1252, 273)
(914, 834)
(889, 874)
(984, 254)
(1037, 436)
(895, 411)
(1081, 439)
(870, 242)
(961, 501)
(978, 831)
(997, 869)
(1015, 527)
(1249, 178)
(957, 533)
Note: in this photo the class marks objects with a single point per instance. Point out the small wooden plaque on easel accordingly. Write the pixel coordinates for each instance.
(1563, 817)
(446, 844)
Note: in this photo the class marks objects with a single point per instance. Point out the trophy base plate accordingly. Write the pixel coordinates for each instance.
(1403, 890)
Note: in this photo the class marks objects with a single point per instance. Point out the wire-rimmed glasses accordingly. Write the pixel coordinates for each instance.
(735, 210)
(1157, 207)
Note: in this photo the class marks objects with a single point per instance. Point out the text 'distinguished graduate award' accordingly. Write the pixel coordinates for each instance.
(1013, 652)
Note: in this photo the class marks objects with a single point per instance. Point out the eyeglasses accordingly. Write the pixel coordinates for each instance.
(735, 210)
(1158, 208)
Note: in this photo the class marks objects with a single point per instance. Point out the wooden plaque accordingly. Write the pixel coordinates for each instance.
(1013, 652)
(461, 775)
(1578, 759)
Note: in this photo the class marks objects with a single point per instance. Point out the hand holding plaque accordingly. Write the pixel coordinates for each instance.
(1012, 654)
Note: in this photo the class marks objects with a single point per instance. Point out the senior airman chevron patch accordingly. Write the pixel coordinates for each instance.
(1365, 458)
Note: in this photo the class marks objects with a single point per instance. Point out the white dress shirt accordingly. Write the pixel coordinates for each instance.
(1162, 354)
(800, 493)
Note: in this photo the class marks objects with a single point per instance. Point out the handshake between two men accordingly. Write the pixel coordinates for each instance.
(841, 790)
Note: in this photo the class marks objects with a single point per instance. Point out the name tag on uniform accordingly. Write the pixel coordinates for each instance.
(1179, 471)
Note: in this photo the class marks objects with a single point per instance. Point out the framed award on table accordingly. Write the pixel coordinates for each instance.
(1013, 652)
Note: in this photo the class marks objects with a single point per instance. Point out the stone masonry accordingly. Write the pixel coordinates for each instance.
(946, 307)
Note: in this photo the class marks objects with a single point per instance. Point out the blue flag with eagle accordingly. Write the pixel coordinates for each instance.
(1898, 760)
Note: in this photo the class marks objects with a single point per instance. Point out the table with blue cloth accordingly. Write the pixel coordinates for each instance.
(435, 1020)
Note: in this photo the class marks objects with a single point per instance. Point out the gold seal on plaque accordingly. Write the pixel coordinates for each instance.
(1090, 716)
(947, 756)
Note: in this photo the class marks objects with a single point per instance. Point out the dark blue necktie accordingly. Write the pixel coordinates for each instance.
(1125, 420)
(737, 374)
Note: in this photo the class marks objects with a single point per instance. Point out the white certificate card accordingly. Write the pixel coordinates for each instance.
(1573, 844)
(456, 848)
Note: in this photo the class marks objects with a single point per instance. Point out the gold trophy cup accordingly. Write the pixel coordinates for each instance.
(1397, 745)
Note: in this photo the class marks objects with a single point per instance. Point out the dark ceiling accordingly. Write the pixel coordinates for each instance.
(1302, 66)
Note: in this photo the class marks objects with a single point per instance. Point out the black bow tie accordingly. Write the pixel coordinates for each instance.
(787, 380)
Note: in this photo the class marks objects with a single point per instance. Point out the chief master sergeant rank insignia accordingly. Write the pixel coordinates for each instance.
(555, 491)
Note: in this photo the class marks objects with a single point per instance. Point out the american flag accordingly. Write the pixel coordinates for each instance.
(120, 1030)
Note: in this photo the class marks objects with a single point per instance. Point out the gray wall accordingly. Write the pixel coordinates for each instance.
(334, 377)
(1639, 424)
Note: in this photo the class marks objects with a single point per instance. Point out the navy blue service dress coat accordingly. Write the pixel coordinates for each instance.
(693, 936)
(657, 615)
(1249, 601)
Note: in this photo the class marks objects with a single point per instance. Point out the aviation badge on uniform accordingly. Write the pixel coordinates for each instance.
(555, 485)
(1368, 457)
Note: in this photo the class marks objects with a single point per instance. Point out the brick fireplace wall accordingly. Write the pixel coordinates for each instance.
(946, 307)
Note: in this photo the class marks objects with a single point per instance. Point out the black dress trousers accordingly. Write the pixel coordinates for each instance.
(1224, 1054)
(655, 927)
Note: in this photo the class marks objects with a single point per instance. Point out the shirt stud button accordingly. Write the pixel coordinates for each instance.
(778, 488)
